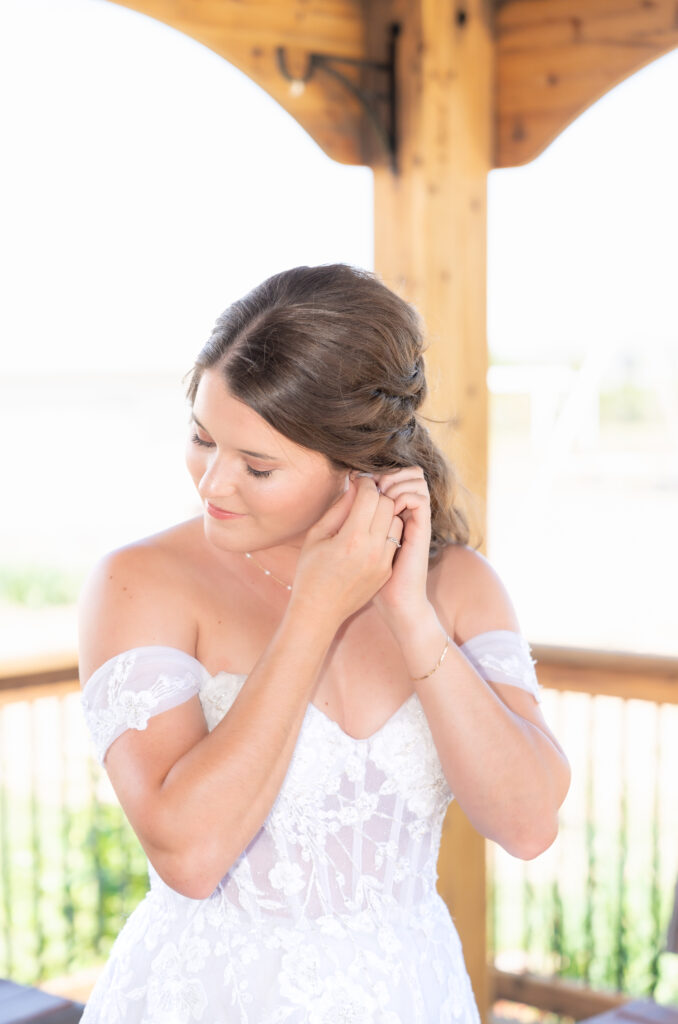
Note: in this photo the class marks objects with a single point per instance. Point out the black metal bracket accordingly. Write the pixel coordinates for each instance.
(384, 121)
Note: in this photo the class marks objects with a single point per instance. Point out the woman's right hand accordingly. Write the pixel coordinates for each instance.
(346, 558)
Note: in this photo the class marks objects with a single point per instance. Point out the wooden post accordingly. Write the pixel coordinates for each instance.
(430, 247)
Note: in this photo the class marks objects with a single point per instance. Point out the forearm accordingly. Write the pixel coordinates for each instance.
(216, 797)
(505, 772)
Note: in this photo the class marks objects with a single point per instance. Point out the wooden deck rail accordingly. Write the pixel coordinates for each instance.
(584, 670)
(38, 676)
(608, 673)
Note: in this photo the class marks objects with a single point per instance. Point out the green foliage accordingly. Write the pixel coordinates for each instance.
(70, 879)
(37, 586)
(564, 922)
(627, 403)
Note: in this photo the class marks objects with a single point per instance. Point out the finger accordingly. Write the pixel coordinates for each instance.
(412, 483)
(384, 480)
(396, 529)
(395, 532)
(408, 498)
(335, 516)
(364, 505)
(383, 514)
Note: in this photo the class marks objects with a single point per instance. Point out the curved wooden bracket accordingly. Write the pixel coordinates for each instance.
(384, 120)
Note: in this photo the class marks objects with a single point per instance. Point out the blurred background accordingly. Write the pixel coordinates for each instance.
(136, 203)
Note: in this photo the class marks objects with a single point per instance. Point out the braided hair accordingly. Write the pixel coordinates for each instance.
(333, 360)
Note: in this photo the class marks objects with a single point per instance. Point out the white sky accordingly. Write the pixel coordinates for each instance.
(150, 184)
(146, 183)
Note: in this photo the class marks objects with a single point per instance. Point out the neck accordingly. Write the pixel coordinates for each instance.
(281, 559)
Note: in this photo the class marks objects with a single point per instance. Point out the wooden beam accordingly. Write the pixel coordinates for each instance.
(38, 670)
(565, 998)
(555, 58)
(430, 231)
(43, 675)
(609, 673)
(247, 36)
(431, 218)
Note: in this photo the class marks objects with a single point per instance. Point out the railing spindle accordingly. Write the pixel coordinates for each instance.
(67, 904)
(5, 852)
(36, 847)
(621, 932)
(590, 840)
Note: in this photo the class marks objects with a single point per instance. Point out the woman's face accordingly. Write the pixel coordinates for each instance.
(240, 464)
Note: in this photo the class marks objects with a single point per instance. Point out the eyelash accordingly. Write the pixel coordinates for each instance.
(260, 473)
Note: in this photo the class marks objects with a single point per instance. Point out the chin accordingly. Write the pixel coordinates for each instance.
(219, 539)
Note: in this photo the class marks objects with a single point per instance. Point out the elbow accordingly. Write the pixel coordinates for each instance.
(538, 834)
(193, 885)
(190, 872)
(190, 887)
(530, 833)
(534, 846)
(530, 842)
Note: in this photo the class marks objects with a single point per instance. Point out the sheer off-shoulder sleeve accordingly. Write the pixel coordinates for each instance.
(502, 656)
(131, 687)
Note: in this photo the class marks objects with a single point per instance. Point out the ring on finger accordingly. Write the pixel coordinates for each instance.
(394, 541)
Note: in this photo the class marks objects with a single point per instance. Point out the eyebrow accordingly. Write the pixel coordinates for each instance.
(243, 451)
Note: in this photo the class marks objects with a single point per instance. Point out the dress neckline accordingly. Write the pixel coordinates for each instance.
(314, 707)
(331, 721)
(373, 735)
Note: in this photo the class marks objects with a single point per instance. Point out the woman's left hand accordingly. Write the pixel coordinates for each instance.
(402, 600)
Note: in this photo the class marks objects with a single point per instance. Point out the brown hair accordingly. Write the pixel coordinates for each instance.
(332, 359)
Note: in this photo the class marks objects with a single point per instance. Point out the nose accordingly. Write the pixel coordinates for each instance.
(217, 482)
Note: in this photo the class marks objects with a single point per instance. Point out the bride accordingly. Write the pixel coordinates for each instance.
(287, 690)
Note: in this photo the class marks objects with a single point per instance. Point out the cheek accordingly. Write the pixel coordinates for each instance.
(193, 460)
(298, 501)
(313, 501)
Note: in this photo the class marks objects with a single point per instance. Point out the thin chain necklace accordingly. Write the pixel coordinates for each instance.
(267, 572)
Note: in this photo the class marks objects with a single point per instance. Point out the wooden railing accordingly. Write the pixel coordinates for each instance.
(646, 677)
(44, 676)
(598, 673)
(629, 677)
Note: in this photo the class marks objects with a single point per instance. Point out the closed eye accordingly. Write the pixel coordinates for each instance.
(253, 472)
(199, 440)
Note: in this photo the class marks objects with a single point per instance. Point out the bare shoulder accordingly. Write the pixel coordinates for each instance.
(471, 592)
(135, 596)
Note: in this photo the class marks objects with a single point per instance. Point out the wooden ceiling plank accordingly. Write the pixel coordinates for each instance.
(333, 26)
(555, 58)
(526, 13)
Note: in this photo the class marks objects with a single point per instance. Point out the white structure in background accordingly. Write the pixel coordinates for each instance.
(565, 412)
(546, 385)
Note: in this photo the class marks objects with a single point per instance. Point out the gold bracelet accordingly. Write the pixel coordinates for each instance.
(448, 641)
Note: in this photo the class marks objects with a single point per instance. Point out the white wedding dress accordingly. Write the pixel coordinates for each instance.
(331, 914)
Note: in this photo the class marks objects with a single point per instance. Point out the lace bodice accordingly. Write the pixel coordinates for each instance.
(334, 901)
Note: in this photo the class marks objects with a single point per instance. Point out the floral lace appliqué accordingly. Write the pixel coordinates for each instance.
(503, 656)
(331, 913)
(112, 703)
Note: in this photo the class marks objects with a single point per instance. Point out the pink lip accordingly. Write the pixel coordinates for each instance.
(220, 513)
